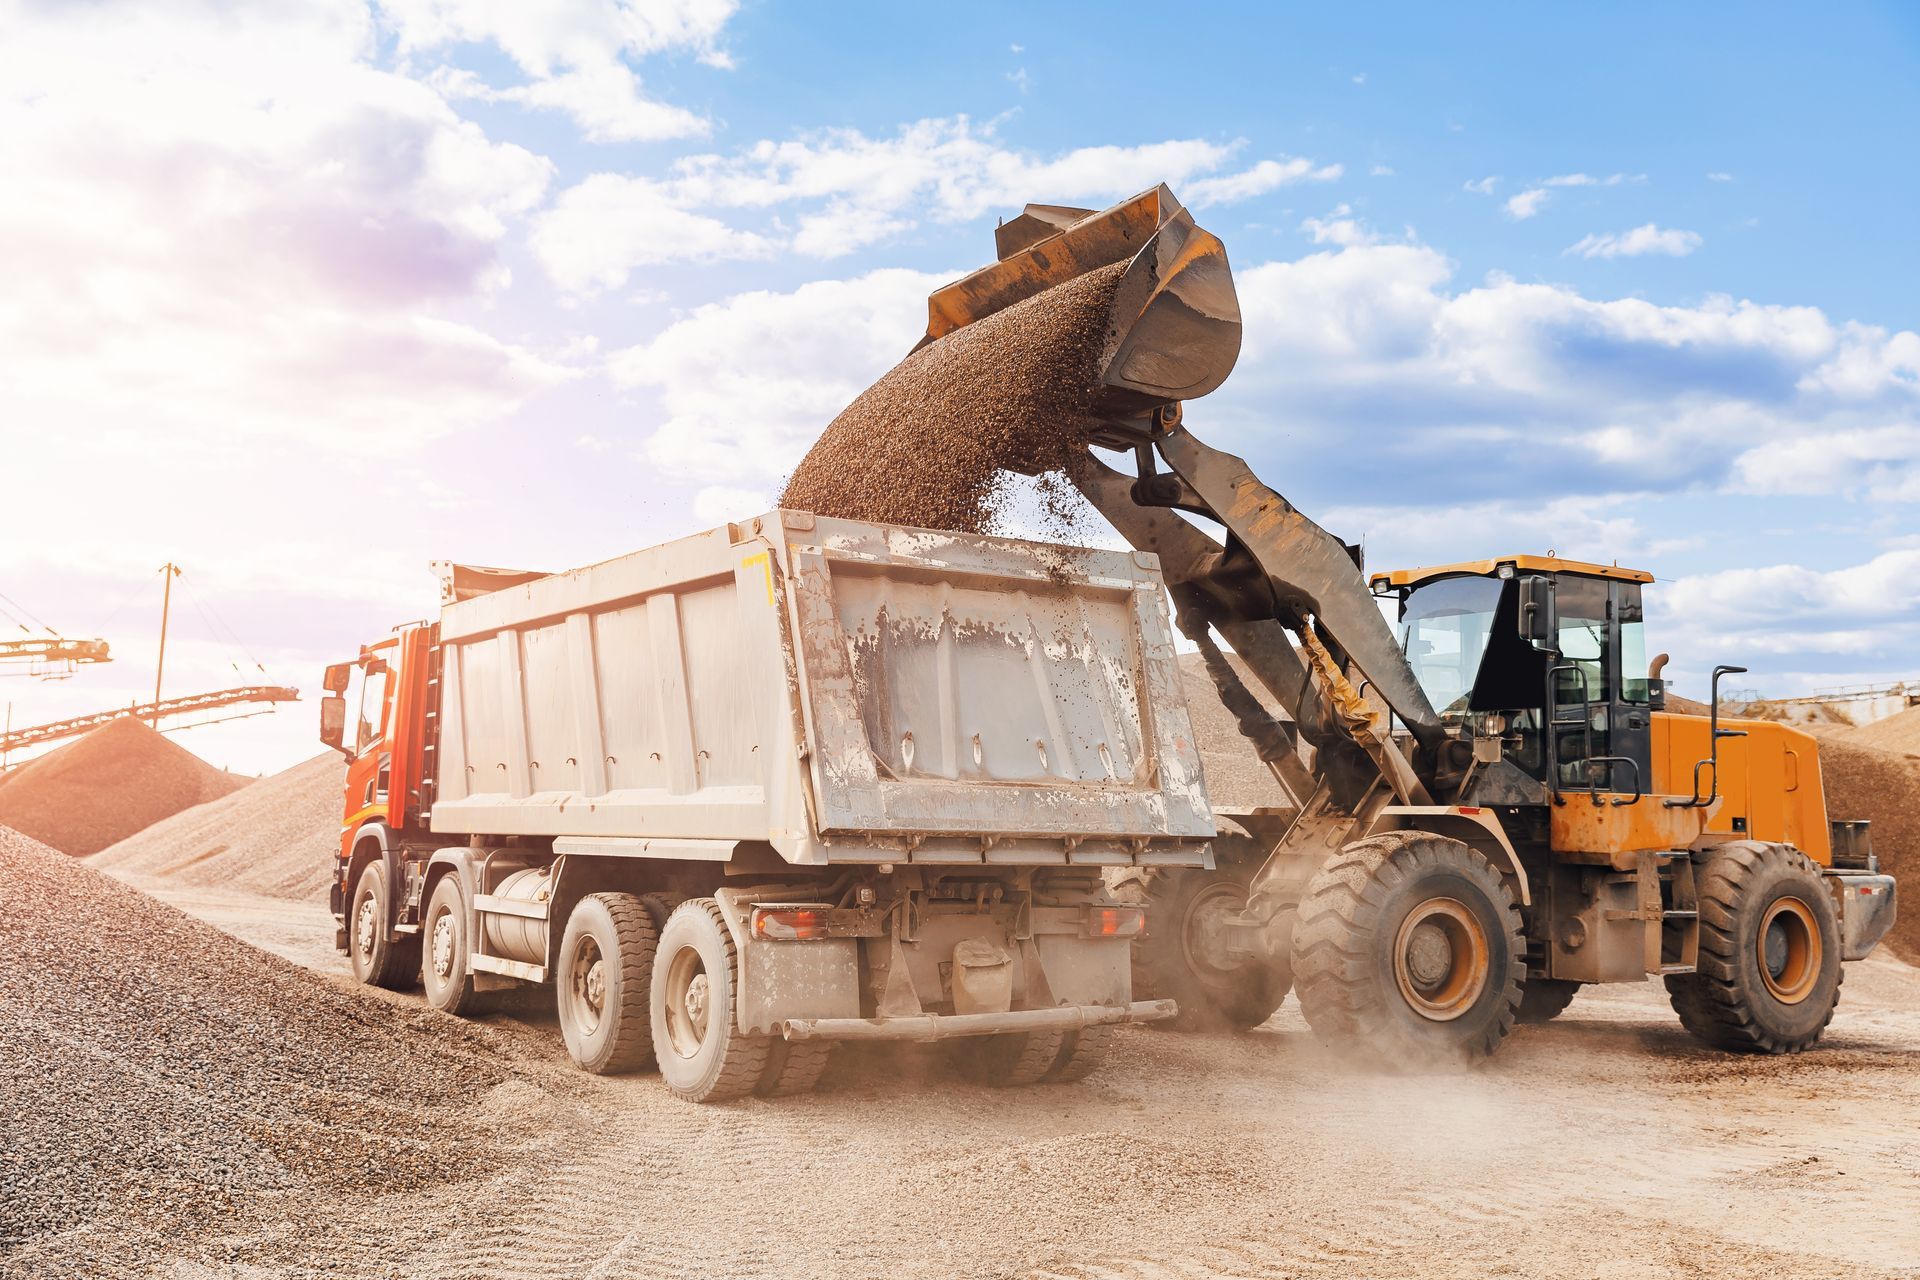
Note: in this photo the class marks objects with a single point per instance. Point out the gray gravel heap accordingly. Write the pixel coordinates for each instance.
(161, 1079)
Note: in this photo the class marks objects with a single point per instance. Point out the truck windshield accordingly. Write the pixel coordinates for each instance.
(1444, 627)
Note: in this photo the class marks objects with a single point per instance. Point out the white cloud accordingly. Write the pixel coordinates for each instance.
(850, 190)
(745, 385)
(1588, 180)
(600, 231)
(1380, 171)
(1260, 179)
(1719, 176)
(575, 53)
(1637, 243)
(1483, 186)
(1338, 227)
(1527, 203)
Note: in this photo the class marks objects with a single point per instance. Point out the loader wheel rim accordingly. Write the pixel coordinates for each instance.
(688, 1003)
(588, 992)
(365, 921)
(1441, 959)
(1789, 950)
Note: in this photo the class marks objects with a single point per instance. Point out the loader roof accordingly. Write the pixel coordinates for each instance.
(1491, 567)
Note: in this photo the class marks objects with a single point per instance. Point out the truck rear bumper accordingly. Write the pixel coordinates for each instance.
(934, 1026)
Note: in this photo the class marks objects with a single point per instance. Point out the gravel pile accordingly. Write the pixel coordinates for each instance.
(277, 837)
(1235, 777)
(1899, 732)
(930, 443)
(1884, 788)
(159, 1079)
(104, 787)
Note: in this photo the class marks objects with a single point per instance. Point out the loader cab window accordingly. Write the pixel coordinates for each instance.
(1583, 640)
(1444, 629)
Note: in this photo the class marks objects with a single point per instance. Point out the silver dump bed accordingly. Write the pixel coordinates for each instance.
(841, 691)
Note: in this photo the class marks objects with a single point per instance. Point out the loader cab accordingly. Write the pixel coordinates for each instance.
(1546, 656)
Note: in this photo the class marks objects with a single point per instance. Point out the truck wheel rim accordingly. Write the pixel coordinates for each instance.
(688, 991)
(588, 991)
(1441, 959)
(1204, 934)
(443, 945)
(1789, 950)
(363, 927)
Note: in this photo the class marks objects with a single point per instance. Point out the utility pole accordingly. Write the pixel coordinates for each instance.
(169, 571)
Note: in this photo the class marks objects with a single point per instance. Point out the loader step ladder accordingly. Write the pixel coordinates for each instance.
(1679, 935)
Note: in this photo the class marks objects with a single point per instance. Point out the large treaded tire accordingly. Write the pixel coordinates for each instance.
(1081, 1054)
(1349, 928)
(379, 959)
(1544, 999)
(604, 1016)
(1167, 963)
(703, 1054)
(793, 1067)
(1727, 1002)
(444, 972)
(1010, 1061)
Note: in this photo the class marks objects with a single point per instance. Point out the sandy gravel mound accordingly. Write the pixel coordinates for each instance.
(104, 787)
(276, 838)
(1884, 788)
(1235, 777)
(159, 1078)
(1899, 732)
(929, 444)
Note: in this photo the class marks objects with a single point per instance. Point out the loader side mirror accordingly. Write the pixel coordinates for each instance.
(333, 723)
(337, 677)
(1539, 615)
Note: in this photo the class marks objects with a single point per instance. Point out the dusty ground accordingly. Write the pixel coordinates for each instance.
(1606, 1144)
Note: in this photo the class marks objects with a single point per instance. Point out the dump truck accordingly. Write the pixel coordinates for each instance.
(792, 781)
(1493, 803)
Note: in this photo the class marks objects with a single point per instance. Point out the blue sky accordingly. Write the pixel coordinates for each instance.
(307, 293)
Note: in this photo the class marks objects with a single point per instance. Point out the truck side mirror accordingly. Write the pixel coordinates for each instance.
(337, 677)
(1539, 615)
(333, 723)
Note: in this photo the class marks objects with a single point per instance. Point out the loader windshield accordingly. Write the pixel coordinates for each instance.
(1444, 627)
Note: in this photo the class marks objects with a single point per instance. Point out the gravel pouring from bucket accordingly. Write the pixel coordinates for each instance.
(1086, 319)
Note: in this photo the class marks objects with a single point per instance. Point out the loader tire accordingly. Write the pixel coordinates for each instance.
(1081, 1054)
(703, 1054)
(793, 1066)
(603, 982)
(1180, 958)
(1012, 1060)
(1769, 970)
(444, 971)
(1544, 999)
(1408, 950)
(380, 959)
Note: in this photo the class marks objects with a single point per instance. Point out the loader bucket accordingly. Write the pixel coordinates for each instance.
(1175, 330)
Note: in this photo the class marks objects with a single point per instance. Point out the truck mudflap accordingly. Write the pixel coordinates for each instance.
(934, 1026)
(1868, 906)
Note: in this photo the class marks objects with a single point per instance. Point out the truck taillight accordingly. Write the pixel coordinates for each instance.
(789, 924)
(1116, 922)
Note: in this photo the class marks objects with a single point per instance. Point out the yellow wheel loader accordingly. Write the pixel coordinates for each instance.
(1494, 805)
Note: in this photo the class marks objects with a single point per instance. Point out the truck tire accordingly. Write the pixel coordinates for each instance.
(659, 906)
(1010, 1061)
(379, 959)
(1181, 958)
(1769, 972)
(601, 984)
(703, 1054)
(1081, 1054)
(444, 971)
(793, 1066)
(1408, 948)
(1544, 999)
